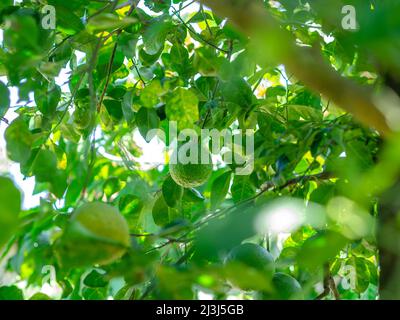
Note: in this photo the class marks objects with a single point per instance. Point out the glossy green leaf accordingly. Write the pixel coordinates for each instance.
(220, 188)
(160, 211)
(146, 120)
(172, 192)
(242, 189)
(19, 141)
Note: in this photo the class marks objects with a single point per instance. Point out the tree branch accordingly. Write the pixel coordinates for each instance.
(320, 176)
(326, 283)
(333, 287)
(133, 7)
(306, 64)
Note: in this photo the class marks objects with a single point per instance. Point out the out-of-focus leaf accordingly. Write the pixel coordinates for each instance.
(182, 107)
(172, 192)
(4, 99)
(146, 120)
(11, 293)
(19, 141)
(161, 211)
(320, 249)
(192, 195)
(108, 22)
(10, 206)
(95, 280)
(220, 188)
(242, 188)
(155, 35)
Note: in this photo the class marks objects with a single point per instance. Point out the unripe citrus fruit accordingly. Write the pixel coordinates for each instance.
(194, 173)
(285, 288)
(254, 256)
(96, 234)
(258, 261)
(83, 118)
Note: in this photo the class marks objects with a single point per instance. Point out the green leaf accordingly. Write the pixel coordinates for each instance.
(358, 154)
(160, 211)
(146, 120)
(323, 194)
(47, 99)
(192, 196)
(44, 166)
(242, 189)
(94, 293)
(127, 107)
(182, 107)
(306, 98)
(6, 3)
(11, 293)
(220, 188)
(67, 21)
(108, 22)
(237, 91)
(359, 272)
(149, 59)
(58, 183)
(206, 62)
(155, 35)
(111, 186)
(320, 248)
(150, 95)
(10, 206)
(114, 108)
(95, 279)
(199, 17)
(19, 141)
(157, 6)
(172, 192)
(4, 99)
(22, 33)
(180, 60)
(40, 296)
(304, 112)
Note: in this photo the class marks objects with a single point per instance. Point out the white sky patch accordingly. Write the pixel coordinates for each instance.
(153, 152)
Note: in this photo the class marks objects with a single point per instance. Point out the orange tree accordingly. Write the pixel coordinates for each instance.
(316, 218)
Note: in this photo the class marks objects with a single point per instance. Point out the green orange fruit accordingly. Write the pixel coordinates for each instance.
(194, 173)
(96, 234)
(252, 255)
(285, 287)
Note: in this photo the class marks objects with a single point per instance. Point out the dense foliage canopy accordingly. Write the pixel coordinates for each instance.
(319, 99)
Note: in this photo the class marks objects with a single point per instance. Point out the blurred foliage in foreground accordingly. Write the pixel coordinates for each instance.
(309, 208)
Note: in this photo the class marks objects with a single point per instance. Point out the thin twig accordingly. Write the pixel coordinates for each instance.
(137, 71)
(326, 285)
(108, 76)
(112, 57)
(333, 287)
(197, 35)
